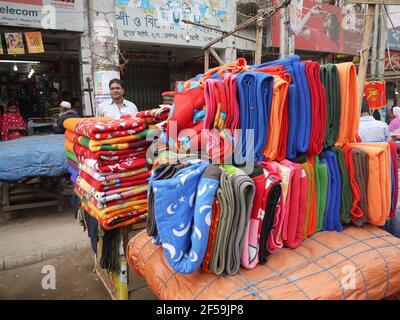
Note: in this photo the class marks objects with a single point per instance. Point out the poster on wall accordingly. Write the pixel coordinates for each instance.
(160, 21)
(15, 44)
(375, 93)
(43, 14)
(325, 28)
(34, 42)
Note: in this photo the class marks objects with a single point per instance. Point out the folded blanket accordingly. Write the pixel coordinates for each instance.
(274, 241)
(104, 205)
(346, 198)
(121, 143)
(106, 129)
(356, 211)
(296, 204)
(116, 155)
(310, 215)
(300, 111)
(74, 173)
(330, 81)
(135, 180)
(379, 181)
(276, 118)
(272, 194)
(321, 184)
(332, 213)
(168, 94)
(160, 172)
(122, 220)
(350, 106)
(226, 201)
(108, 177)
(216, 214)
(251, 239)
(318, 108)
(183, 207)
(124, 165)
(361, 166)
(255, 92)
(243, 191)
(280, 72)
(71, 156)
(103, 196)
(395, 177)
(156, 115)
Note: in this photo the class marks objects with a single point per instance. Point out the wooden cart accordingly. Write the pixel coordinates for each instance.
(30, 193)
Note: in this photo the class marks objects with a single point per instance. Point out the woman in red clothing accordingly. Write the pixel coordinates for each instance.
(13, 126)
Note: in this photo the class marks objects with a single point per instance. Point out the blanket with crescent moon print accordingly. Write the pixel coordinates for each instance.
(183, 214)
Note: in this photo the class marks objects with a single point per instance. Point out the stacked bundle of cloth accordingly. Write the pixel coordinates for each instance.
(279, 204)
(273, 111)
(110, 158)
(168, 97)
(297, 167)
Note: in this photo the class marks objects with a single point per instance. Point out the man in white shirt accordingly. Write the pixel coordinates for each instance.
(372, 130)
(117, 106)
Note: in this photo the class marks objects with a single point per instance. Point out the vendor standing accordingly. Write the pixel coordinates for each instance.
(117, 106)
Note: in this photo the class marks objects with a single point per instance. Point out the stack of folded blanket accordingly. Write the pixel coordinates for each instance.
(168, 97)
(297, 166)
(109, 167)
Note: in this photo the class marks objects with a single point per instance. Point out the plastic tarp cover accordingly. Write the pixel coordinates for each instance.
(33, 156)
(359, 263)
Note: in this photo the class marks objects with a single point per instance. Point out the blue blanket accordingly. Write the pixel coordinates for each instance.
(300, 121)
(33, 156)
(333, 202)
(255, 97)
(183, 214)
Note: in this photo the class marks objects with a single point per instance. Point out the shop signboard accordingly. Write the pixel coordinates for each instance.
(324, 28)
(160, 21)
(43, 14)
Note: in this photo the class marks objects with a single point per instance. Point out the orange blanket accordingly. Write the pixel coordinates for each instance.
(275, 121)
(350, 106)
(379, 181)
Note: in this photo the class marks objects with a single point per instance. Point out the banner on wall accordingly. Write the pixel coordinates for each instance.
(43, 14)
(15, 44)
(375, 94)
(160, 21)
(324, 28)
(34, 42)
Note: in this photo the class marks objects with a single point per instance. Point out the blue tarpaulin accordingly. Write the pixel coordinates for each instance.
(33, 156)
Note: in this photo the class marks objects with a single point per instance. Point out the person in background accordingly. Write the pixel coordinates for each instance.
(53, 105)
(372, 130)
(377, 115)
(76, 104)
(389, 115)
(117, 106)
(66, 96)
(13, 126)
(394, 125)
(67, 112)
